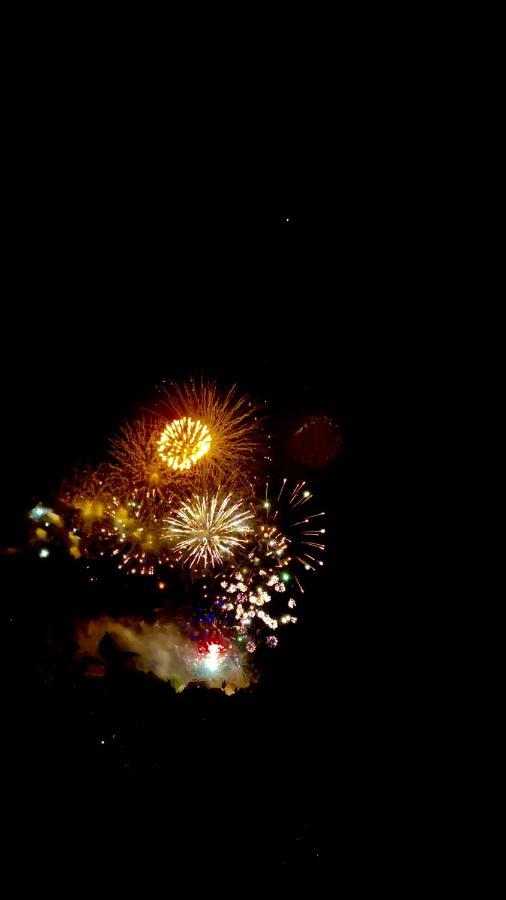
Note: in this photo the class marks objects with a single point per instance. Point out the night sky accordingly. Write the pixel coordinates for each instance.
(110, 293)
(164, 217)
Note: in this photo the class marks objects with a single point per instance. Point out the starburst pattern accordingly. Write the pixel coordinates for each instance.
(230, 443)
(183, 442)
(208, 529)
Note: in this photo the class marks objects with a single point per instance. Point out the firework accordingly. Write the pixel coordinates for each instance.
(45, 514)
(206, 530)
(301, 537)
(212, 655)
(183, 442)
(116, 521)
(258, 590)
(214, 437)
(87, 494)
(138, 464)
(248, 599)
(132, 534)
(181, 493)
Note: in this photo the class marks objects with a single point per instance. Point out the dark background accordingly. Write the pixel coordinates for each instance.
(143, 237)
(116, 282)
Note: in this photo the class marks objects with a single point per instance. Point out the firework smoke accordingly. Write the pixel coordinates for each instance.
(164, 650)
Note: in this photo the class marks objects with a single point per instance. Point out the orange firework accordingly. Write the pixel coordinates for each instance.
(208, 438)
(138, 464)
(183, 442)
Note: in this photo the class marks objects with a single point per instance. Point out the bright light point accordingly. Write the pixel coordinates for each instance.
(285, 576)
(267, 505)
(161, 585)
(212, 659)
(307, 568)
(43, 553)
(102, 742)
(322, 531)
(307, 493)
(183, 442)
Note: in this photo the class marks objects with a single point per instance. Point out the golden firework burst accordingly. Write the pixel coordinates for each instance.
(207, 529)
(183, 442)
(210, 438)
(135, 453)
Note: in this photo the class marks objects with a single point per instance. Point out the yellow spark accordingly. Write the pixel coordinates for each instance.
(226, 432)
(183, 442)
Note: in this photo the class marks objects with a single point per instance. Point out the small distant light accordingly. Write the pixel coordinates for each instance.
(307, 493)
(307, 568)
(102, 742)
(161, 585)
(285, 576)
(43, 552)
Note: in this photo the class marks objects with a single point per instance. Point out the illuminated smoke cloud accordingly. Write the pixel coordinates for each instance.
(164, 650)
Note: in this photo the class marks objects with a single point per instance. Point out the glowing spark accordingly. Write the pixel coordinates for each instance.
(43, 553)
(207, 529)
(212, 659)
(183, 442)
(231, 443)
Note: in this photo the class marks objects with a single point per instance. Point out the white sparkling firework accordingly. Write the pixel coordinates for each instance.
(302, 537)
(208, 530)
(212, 658)
(263, 581)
